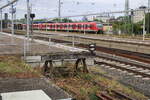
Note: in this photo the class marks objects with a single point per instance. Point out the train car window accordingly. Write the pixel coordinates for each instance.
(99, 25)
(65, 26)
(79, 26)
(91, 26)
(73, 26)
(61, 26)
(82, 26)
(86, 26)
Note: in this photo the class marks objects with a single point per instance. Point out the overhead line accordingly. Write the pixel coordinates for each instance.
(11, 2)
(113, 12)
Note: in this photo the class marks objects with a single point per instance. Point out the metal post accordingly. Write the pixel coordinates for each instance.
(148, 3)
(24, 49)
(49, 42)
(1, 27)
(108, 23)
(144, 32)
(12, 25)
(59, 10)
(46, 27)
(73, 41)
(84, 29)
(28, 24)
(68, 26)
(55, 27)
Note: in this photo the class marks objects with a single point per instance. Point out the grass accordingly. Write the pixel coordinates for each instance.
(11, 66)
(8, 68)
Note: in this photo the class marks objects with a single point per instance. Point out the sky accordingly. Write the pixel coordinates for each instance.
(49, 8)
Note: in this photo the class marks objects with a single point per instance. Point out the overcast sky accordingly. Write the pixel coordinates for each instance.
(49, 8)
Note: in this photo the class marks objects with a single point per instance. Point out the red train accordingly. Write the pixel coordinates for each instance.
(78, 27)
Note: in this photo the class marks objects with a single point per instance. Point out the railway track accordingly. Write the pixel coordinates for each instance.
(110, 94)
(122, 65)
(128, 54)
(142, 71)
(114, 63)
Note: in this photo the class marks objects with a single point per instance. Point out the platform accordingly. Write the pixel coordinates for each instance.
(26, 95)
(9, 85)
(36, 47)
(133, 45)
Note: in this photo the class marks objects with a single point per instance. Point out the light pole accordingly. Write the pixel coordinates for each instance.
(148, 3)
(132, 15)
(26, 43)
(28, 24)
(148, 25)
(59, 10)
(144, 32)
(12, 20)
(1, 27)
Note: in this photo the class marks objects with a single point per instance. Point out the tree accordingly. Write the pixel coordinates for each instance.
(98, 20)
(64, 20)
(22, 20)
(128, 27)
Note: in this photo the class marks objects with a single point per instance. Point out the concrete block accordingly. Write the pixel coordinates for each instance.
(26, 95)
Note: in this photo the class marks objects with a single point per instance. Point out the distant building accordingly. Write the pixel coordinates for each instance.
(90, 18)
(85, 19)
(139, 15)
(104, 19)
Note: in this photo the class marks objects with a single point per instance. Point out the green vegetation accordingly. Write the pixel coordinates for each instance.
(11, 66)
(86, 86)
(147, 22)
(98, 20)
(64, 20)
(128, 27)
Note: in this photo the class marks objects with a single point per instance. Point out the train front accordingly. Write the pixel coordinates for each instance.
(99, 27)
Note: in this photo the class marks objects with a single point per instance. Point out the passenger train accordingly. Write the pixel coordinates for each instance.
(77, 27)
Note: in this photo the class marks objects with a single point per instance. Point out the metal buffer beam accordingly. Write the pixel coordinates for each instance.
(80, 57)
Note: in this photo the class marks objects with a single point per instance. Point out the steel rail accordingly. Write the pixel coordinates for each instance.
(123, 68)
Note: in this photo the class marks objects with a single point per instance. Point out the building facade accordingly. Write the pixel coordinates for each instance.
(139, 15)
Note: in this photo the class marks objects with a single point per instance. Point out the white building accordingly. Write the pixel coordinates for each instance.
(104, 18)
(139, 15)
